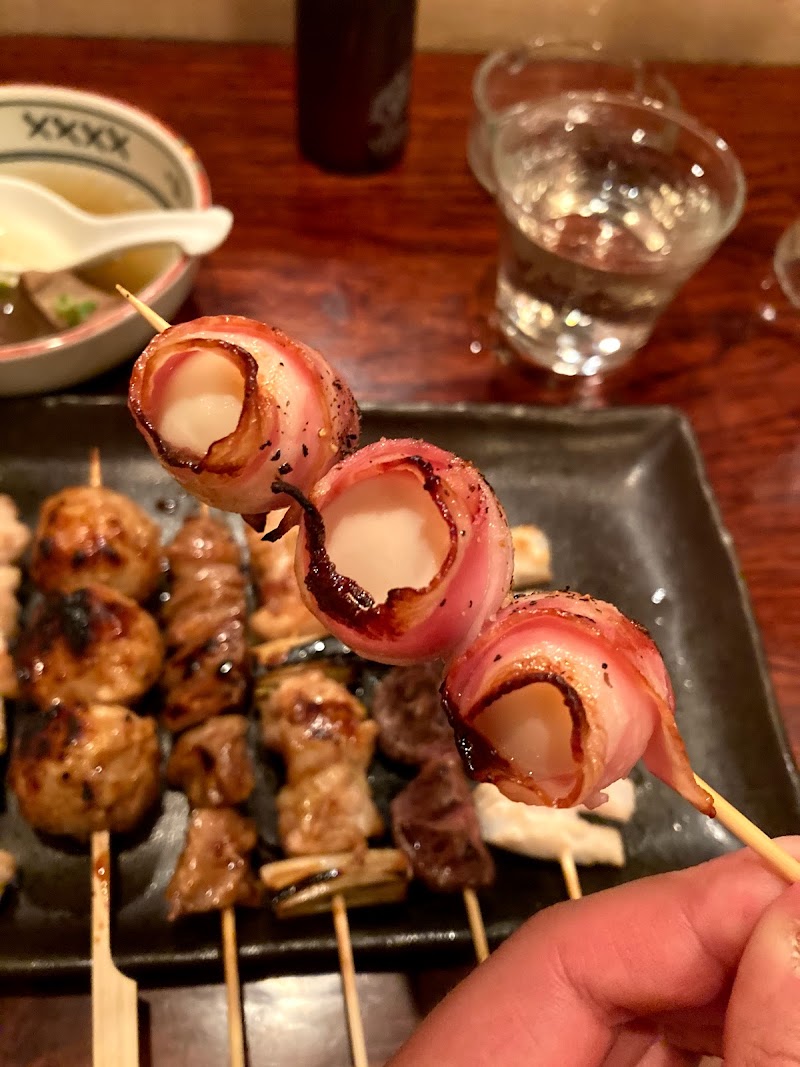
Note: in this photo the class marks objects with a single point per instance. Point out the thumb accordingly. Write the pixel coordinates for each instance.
(762, 1028)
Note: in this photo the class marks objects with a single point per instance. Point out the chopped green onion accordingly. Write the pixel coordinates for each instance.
(74, 312)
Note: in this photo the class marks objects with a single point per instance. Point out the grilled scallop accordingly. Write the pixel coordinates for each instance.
(92, 534)
(79, 769)
(92, 645)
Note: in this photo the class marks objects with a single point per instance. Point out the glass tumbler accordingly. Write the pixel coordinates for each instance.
(787, 263)
(607, 205)
(511, 78)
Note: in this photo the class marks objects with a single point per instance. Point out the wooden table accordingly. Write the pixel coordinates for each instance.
(384, 275)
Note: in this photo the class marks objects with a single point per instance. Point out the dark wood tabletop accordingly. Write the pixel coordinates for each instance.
(389, 277)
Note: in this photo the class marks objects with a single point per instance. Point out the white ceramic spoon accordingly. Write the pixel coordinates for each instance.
(41, 231)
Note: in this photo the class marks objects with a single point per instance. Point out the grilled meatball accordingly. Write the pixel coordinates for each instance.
(79, 769)
(92, 534)
(206, 669)
(90, 645)
(214, 870)
(211, 763)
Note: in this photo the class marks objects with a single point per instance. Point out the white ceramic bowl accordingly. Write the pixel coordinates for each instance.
(76, 129)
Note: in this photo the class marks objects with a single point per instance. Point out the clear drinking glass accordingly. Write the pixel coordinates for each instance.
(511, 78)
(607, 205)
(787, 263)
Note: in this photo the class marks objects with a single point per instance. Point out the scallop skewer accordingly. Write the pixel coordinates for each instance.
(115, 1026)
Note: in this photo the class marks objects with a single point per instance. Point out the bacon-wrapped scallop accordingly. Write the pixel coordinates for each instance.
(227, 405)
(559, 696)
(403, 552)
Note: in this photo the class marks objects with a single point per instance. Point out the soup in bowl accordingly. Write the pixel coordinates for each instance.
(106, 157)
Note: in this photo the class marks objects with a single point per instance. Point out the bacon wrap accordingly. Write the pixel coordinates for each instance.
(298, 418)
(612, 679)
(412, 625)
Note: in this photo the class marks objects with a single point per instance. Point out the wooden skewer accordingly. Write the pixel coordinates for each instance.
(476, 925)
(749, 834)
(571, 877)
(355, 1024)
(146, 312)
(115, 1024)
(230, 956)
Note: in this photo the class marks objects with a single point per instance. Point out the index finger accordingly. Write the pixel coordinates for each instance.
(554, 993)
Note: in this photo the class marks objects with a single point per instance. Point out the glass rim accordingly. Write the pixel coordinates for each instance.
(717, 144)
(585, 48)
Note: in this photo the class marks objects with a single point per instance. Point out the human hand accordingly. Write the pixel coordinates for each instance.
(654, 973)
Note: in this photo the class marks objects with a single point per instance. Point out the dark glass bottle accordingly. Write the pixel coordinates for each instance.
(353, 80)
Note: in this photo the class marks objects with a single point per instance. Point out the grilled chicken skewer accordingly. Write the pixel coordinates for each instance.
(115, 1027)
(327, 742)
(205, 677)
(89, 765)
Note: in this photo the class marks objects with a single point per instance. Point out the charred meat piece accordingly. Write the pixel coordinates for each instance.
(314, 722)
(434, 822)
(206, 671)
(92, 534)
(214, 870)
(412, 723)
(92, 645)
(282, 613)
(331, 810)
(211, 763)
(78, 769)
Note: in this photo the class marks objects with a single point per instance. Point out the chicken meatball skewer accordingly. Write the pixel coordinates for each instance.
(115, 1012)
(92, 766)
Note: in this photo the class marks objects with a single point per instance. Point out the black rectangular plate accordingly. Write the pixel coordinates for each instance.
(623, 497)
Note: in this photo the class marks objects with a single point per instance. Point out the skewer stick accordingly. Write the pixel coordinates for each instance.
(476, 926)
(146, 312)
(115, 1025)
(775, 857)
(115, 1029)
(571, 877)
(230, 956)
(348, 971)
